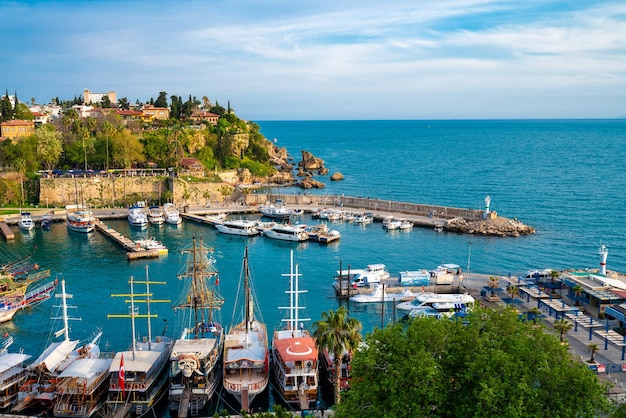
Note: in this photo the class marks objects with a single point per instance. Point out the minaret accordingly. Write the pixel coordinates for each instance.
(604, 252)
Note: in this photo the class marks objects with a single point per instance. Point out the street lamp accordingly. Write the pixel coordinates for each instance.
(469, 257)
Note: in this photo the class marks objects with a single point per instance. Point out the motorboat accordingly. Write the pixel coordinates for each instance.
(138, 375)
(195, 362)
(322, 233)
(156, 215)
(246, 353)
(172, 214)
(288, 232)
(238, 227)
(26, 222)
(137, 217)
(276, 211)
(79, 219)
(428, 299)
(406, 225)
(373, 273)
(439, 309)
(294, 351)
(391, 223)
(379, 294)
(46, 221)
(152, 243)
(363, 219)
(263, 226)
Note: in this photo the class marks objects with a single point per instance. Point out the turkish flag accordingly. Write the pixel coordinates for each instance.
(120, 375)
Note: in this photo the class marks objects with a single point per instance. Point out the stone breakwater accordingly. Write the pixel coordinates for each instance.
(502, 227)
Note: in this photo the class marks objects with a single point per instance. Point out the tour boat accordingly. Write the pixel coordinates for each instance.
(238, 227)
(79, 219)
(156, 215)
(46, 221)
(276, 211)
(11, 303)
(288, 232)
(26, 222)
(246, 356)
(40, 391)
(195, 362)
(294, 351)
(137, 217)
(13, 373)
(172, 215)
(139, 374)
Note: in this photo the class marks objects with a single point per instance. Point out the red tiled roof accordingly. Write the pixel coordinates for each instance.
(17, 122)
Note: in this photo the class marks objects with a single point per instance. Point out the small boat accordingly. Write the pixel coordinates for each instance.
(137, 217)
(391, 223)
(363, 219)
(440, 309)
(322, 233)
(151, 243)
(156, 215)
(139, 375)
(79, 219)
(379, 294)
(294, 351)
(46, 221)
(195, 362)
(277, 211)
(428, 299)
(172, 215)
(238, 227)
(373, 273)
(439, 228)
(406, 225)
(218, 218)
(246, 354)
(26, 222)
(263, 226)
(288, 232)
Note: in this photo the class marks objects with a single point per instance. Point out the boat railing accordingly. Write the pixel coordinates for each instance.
(256, 386)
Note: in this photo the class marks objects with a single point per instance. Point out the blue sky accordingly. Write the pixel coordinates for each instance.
(298, 60)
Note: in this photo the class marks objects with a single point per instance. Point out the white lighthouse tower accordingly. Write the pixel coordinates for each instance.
(604, 252)
(487, 203)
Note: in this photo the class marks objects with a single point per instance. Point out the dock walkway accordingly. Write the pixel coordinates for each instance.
(134, 250)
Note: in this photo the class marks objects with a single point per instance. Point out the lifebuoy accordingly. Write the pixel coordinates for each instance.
(142, 386)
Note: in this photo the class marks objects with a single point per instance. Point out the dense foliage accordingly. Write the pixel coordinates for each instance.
(488, 364)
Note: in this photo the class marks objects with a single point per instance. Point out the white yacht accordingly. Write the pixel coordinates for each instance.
(156, 215)
(172, 215)
(277, 211)
(238, 227)
(26, 222)
(423, 300)
(288, 232)
(137, 217)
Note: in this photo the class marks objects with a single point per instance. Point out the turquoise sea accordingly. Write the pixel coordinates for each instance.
(564, 177)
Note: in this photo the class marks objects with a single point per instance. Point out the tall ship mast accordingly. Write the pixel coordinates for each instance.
(195, 360)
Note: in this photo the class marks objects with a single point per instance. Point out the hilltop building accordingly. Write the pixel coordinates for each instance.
(93, 98)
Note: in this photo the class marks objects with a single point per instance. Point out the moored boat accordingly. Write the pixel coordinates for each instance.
(428, 299)
(139, 374)
(152, 243)
(46, 221)
(13, 373)
(238, 227)
(79, 219)
(156, 215)
(246, 356)
(137, 217)
(322, 233)
(26, 222)
(172, 214)
(288, 232)
(10, 304)
(195, 362)
(294, 351)
(276, 211)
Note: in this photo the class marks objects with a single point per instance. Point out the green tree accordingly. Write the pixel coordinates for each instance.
(562, 326)
(487, 364)
(22, 112)
(49, 146)
(592, 349)
(493, 284)
(106, 102)
(127, 150)
(578, 291)
(512, 291)
(20, 166)
(161, 101)
(6, 109)
(123, 103)
(337, 333)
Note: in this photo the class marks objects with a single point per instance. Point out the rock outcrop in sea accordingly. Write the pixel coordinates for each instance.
(500, 227)
(336, 176)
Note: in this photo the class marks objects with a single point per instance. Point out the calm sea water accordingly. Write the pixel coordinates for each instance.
(565, 178)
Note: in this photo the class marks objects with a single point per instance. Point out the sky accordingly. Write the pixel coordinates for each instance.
(323, 59)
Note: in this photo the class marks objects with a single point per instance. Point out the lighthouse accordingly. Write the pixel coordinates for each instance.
(487, 203)
(604, 252)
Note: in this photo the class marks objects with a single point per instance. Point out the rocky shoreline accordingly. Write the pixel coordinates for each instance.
(500, 227)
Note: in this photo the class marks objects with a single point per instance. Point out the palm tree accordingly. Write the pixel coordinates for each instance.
(513, 291)
(534, 313)
(554, 274)
(593, 349)
(493, 284)
(578, 291)
(562, 326)
(337, 332)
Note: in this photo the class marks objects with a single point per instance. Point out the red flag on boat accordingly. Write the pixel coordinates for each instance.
(217, 280)
(120, 375)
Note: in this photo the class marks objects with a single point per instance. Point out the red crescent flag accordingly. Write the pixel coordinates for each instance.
(120, 375)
